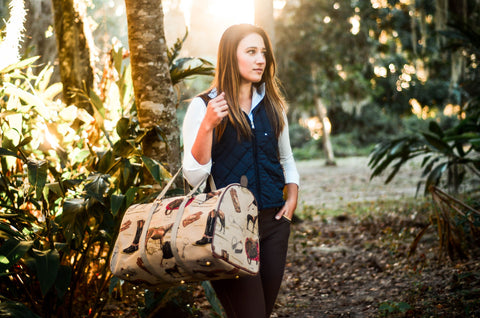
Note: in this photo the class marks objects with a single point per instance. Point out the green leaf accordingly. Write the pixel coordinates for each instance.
(435, 128)
(123, 148)
(97, 103)
(382, 166)
(130, 196)
(37, 175)
(114, 283)
(47, 264)
(435, 175)
(21, 64)
(25, 141)
(15, 309)
(395, 169)
(403, 307)
(74, 219)
(5, 152)
(398, 148)
(117, 203)
(97, 186)
(11, 251)
(123, 128)
(158, 171)
(6, 231)
(425, 160)
(212, 298)
(429, 166)
(437, 144)
(106, 162)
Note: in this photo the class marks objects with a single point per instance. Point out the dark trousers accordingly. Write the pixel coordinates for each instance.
(254, 296)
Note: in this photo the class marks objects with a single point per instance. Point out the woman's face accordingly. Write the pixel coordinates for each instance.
(251, 58)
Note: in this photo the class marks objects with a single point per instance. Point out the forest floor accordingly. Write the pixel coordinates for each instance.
(348, 256)
(356, 265)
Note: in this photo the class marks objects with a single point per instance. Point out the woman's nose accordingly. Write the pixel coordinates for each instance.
(260, 58)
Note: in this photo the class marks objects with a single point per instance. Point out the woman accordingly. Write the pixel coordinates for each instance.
(239, 127)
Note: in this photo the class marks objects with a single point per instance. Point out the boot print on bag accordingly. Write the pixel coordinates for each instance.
(166, 251)
(134, 246)
(209, 227)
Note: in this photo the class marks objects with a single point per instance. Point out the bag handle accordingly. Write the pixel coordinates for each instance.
(167, 187)
(170, 182)
(146, 226)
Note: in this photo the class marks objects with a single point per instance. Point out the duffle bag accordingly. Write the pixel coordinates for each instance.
(196, 237)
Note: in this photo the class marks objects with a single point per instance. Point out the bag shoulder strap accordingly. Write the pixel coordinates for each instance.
(205, 97)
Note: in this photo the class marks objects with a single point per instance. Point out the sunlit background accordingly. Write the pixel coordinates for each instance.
(205, 20)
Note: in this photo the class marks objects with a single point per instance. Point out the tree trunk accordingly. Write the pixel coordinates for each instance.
(327, 145)
(74, 48)
(322, 115)
(264, 17)
(154, 94)
(37, 41)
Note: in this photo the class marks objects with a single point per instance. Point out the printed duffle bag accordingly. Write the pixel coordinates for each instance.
(197, 237)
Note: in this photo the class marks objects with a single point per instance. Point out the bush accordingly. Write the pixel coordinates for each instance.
(299, 135)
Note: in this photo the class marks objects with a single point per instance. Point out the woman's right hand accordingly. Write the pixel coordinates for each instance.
(217, 109)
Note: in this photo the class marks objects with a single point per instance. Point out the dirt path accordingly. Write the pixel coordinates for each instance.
(349, 181)
(349, 266)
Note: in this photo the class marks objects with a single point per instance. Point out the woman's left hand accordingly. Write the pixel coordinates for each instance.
(288, 209)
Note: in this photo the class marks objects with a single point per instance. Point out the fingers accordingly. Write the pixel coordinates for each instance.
(217, 109)
(281, 213)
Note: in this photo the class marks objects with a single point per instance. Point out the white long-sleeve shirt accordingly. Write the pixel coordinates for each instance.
(195, 172)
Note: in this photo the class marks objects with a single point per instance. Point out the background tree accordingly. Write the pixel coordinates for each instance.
(39, 38)
(75, 45)
(264, 17)
(154, 94)
(374, 61)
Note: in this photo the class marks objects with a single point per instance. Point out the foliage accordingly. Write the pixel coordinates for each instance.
(62, 197)
(185, 67)
(314, 41)
(453, 151)
(367, 60)
(66, 179)
(388, 308)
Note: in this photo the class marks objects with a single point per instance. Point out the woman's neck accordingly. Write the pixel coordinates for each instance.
(245, 97)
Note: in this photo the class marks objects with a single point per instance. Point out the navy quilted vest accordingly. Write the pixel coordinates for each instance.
(257, 158)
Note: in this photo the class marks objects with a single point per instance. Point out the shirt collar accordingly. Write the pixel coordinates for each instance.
(257, 95)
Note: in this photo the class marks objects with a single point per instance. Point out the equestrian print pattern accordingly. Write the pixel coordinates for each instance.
(217, 237)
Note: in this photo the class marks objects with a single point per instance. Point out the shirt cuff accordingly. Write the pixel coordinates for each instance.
(193, 171)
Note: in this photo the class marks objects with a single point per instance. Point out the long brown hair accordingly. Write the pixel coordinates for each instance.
(227, 79)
